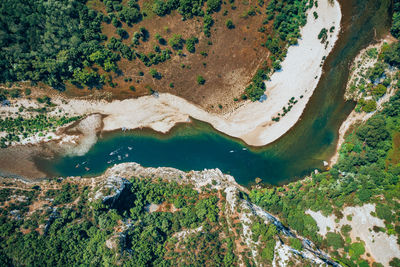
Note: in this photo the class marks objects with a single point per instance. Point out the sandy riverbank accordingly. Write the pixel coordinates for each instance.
(252, 122)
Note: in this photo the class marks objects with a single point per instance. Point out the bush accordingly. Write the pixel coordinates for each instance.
(176, 41)
(296, 244)
(334, 240)
(379, 90)
(395, 30)
(213, 5)
(391, 55)
(200, 80)
(229, 24)
(190, 44)
(345, 229)
(155, 74)
(385, 213)
(395, 262)
(368, 105)
(376, 72)
(323, 35)
(121, 32)
(356, 250)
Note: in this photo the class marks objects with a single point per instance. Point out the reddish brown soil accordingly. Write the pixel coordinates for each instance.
(233, 58)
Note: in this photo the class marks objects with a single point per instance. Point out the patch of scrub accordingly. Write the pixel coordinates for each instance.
(381, 246)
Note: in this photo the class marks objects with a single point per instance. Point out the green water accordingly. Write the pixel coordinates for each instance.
(197, 146)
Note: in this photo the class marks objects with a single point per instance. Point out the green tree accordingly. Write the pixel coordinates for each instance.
(213, 5)
(190, 44)
(395, 30)
(229, 24)
(200, 80)
(335, 240)
(176, 41)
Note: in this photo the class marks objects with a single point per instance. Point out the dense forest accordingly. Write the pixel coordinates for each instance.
(79, 231)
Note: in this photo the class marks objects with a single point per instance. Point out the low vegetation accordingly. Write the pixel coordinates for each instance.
(19, 128)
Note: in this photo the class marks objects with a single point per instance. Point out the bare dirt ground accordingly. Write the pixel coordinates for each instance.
(233, 56)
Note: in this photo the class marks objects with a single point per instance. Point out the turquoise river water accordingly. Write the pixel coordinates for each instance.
(197, 146)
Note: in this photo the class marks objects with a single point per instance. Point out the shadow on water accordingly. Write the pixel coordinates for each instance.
(197, 146)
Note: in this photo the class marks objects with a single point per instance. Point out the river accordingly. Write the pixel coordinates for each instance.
(197, 146)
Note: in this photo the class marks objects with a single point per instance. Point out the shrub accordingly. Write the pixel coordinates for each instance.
(368, 105)
(372, 52)
(121, 32)
(395, 30)
(323, 35)
(334, 240)
(356, 250)
(296, 244)
(379, 90)
(213, 5)
(190, 44)
(229, 24)
(155, 74)
(376, 72)
(200, 80)
(345, 229)
(395, 262)
(176, 41)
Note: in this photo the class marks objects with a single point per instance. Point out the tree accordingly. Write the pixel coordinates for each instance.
(86, 77)
(368, 105)
(395, 30)
(267, 253)
(155, 74)
(323, 35)
(213, 5)
(392, 54)
(335, 240)
(295, 243)
(121, 32)
(190, 44)
(160, 8)
(229, 24)
(373, 131)
(379, 90)
(176, 41)
(376, 72)
(395, 262)
(130, 15)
